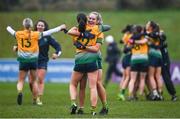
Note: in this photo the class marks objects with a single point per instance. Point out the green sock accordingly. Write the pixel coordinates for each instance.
(105, 105)
(19, 91)
(73, 102)
(93, 108)
(122, 91)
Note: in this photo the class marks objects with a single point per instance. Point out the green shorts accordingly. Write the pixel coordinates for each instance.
(87, 67)
(140, 67)
(155, 61)
(139, 62)
(28, 66)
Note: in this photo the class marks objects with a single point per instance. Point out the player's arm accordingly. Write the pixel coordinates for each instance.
(74, 32)
(105, 28)
(54, 30)
(11, 30)
(143, 41)
(94, 48)
(56, 46)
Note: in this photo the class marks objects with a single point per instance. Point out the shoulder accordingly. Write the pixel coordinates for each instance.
(19, 32)
(36, 32)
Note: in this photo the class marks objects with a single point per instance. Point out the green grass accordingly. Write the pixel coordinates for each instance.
(168, 20)
(56, 104)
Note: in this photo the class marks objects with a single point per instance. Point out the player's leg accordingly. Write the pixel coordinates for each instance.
(102, 93)
(92, 77)
(142, 83)
(41, 73)
(159, 81)
(82, 89)
(108, 75)
(143, 72)
(33, 75)
(20, 84)
(30, 83)
(133, 76)
(125, 83)
(75, 78)
(151, 78)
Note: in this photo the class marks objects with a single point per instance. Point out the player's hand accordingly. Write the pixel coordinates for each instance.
(54, 56)
(63, 27)
(87, 34)
(64, 30)
(79, 45)
(15, 48)
(131, 41)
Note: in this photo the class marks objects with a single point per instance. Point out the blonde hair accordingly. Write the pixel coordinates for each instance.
(27, 23)
(98, 16)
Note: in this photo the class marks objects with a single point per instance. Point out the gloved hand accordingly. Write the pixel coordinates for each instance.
(87, 34)
(65, 30)
(79, 45)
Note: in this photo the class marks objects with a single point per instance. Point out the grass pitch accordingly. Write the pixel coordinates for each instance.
(57, 103)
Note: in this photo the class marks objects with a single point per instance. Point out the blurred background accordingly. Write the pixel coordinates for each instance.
(117, 13)
(69, 5)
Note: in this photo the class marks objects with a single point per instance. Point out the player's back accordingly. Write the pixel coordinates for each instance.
(27, 44)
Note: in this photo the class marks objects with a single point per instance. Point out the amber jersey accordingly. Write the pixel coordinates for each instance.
(126, 37)
(153, 51)
(28, 48)
(99, 36)
(139, 53)
(140, 48)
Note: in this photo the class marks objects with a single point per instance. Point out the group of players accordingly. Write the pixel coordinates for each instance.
(146, 59)
(32, 50)
(140, 45)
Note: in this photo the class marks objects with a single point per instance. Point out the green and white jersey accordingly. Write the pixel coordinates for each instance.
(139, 58)
(86, 57)
(155, 53)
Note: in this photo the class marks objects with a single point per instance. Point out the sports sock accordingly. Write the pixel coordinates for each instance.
(19, 91)
(73, 102)
(105, 105)
(93, 108)
(122, 91)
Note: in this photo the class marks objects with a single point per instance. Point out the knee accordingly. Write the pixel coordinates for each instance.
(41, 80)
(93, 87)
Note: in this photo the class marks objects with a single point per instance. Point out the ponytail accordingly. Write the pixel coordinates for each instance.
(82, 20)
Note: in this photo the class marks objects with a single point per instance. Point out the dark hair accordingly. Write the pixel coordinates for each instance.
(46, 26)
(137, 29)
(82, 20)
(155, 26)
(128, 28)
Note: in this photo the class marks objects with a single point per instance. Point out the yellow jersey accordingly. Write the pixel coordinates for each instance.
(126, 37)
(28, 48)
(99, 36)
(140, 48)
